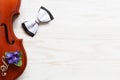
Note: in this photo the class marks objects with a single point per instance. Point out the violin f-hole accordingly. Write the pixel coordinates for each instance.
(11, 42)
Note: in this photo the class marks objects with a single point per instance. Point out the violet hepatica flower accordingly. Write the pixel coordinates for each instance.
(14, 58)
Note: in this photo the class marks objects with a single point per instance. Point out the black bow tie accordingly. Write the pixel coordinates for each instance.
(31, 27)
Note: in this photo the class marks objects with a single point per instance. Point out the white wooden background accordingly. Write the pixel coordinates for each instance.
(82, 43)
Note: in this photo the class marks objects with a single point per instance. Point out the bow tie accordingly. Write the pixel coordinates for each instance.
(31, 27)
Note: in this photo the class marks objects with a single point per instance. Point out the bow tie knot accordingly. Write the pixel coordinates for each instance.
(31, 27)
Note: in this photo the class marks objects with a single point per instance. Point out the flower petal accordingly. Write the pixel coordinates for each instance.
(10, 61)
(8, 55)
(16, 59)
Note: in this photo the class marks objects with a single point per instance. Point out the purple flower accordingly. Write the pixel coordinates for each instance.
(13, 57)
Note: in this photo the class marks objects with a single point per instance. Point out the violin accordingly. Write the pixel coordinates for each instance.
(13, 57)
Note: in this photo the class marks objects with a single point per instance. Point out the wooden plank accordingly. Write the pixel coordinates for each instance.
(82, 43)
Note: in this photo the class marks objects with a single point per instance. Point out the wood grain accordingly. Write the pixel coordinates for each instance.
(82, 43)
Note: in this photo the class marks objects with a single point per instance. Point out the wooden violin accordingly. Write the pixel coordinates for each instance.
(12, 53)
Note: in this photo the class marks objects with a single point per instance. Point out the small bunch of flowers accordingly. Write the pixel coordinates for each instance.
(14, 58)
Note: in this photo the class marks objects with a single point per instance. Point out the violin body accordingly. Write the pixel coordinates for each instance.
(13, 58)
